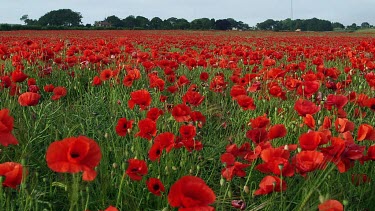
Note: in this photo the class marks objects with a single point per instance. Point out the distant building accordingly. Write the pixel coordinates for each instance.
(298, 30)
(103, 24)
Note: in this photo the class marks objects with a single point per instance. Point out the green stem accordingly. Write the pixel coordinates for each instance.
(119, 191)
(74, 193)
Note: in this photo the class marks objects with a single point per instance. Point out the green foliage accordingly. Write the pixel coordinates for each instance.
(313, 24)
(61, 17)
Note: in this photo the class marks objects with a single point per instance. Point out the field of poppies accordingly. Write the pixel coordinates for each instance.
(167, 120)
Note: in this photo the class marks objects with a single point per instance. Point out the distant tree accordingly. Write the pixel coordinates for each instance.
(269, 24)
(171, 22)
(365, 25)
(130, 22)
(223, 24)
(142, 22)
(352, 27)
(287, 24)
(182, 24)
(337, 25)
(166, 24)
(243, 26)
(24, 17)
(156, 23)
(114, 21)
(61, 17)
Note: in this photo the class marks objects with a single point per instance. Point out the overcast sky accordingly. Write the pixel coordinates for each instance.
(248, 11)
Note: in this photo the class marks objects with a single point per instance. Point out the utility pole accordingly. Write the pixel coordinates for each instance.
(291, 9)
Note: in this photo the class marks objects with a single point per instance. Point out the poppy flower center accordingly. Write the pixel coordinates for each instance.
(74, 154)
(134, 170)
(156, 186)
(373, 107)
(158, 152)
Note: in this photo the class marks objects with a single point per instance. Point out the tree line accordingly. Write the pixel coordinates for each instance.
(66, 18)
(313, 24)
(69, 18)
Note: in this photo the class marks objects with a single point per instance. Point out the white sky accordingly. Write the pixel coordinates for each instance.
(248, 11)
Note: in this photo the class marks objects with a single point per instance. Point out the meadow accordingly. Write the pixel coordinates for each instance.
(187, 120)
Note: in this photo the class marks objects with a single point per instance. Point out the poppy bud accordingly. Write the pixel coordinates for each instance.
(246, 189)
(222, 181)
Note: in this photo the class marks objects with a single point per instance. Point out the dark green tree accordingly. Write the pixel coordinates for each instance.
(352, 27)
(61, 17)
(269, 24)
(365, 25)
(337, 25)
(182, 24)
(142, 22)
(130, 22)
(115, 21)
(156, 23)
(223, 24)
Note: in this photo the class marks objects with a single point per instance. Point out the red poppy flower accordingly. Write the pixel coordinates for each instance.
(370, 153)
(6, 127)
(155, 186)
(12, 173)
(74, 154)
(308, 88)
(276, 161)
(155, 151)
(111, 208)
(18, 76)
(183, 80)
(366, 132)
(96, 81)
(29, 99)
(260, 122)
(257, 135)
(154, 113)
(342, 125)
(136, 169)
(166, 140)
(310, 141)
(181, 113)
(197, 116)
(339, 101)
(234, 169)
(304, 107)
(147, 129)
(309, 121)
(370, 103)
(307, 161)
(331, 205)
(106, 75)
(246, 102)
(193, 98)
(191, 192)
(270, 184)
(31, 81)
(142, 98)
(218, 83)
(124, 126)
(58, 92)
(188, 131)
(49, 88)
(237, 90)
(5, 81)
(203, 76)
(277, 131)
